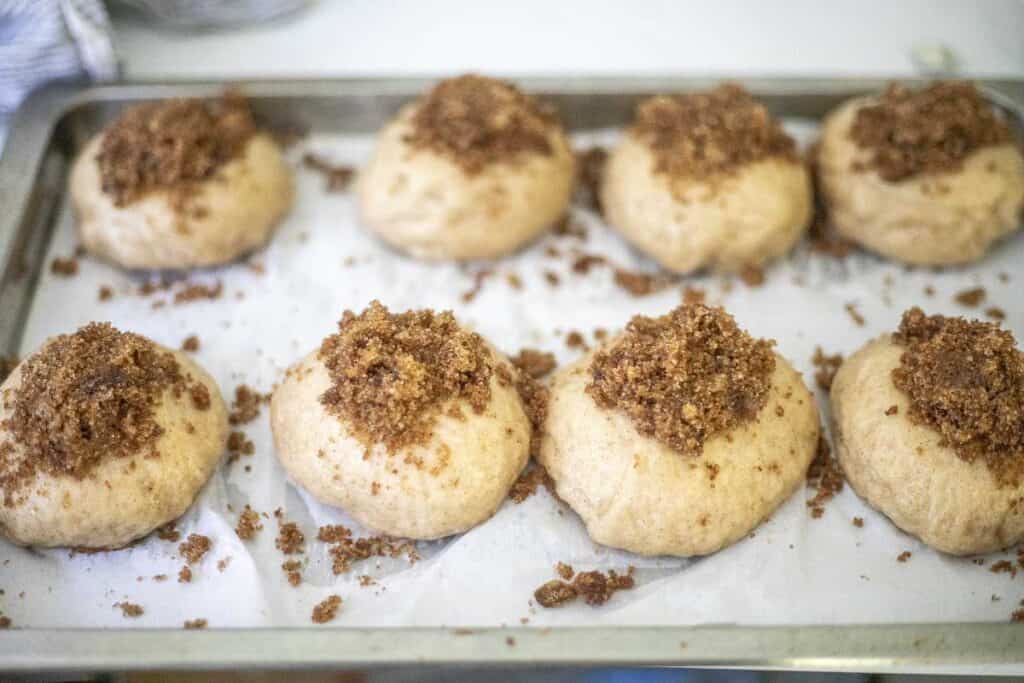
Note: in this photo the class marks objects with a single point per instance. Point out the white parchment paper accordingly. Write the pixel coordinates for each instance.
(793, 570)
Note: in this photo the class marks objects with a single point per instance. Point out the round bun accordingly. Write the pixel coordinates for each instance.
(744, 212)
(452, 479)
(54, 498)
(936, 217)
(450, 183)
(902, 468)
(636, 493)
(206, 221)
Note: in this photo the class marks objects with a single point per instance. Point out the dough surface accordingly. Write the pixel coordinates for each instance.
(928, 219)
(746, 218)
(122, 499)
(232, 213)
(454, 481)
(902, 470)
(637, 494)
(424, 204)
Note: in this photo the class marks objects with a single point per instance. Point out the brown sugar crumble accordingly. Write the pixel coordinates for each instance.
(291, 569)
(995, 313)
(130, 609)
(392, 373)
(290, 539)
(337, 178)
(928, 131)
(641, 284)
(965, 380)
(168, 532)
(565, 571)
(825, 476)
(172, 145)
(194, 547)
(752, 276)
(574, 340)
(590, 164)
(684, 377)
(858, 522)
(855, 316)
(85, 398)
(529, 481)
(701, 135)
(1004, 567)
(185, 574)
(693, 295)
(346, 550)
(64, 267)
(193, 624)
(476, 121)
(239, 444)
(248, 524)
(825, 367)
(970, 297)
(246, 406)
(595, 587)
(191, 344)
(198, 291)
(326, 609)
(904, 556)
(534, 363)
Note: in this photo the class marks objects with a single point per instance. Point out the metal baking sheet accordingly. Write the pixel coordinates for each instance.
(55, 124)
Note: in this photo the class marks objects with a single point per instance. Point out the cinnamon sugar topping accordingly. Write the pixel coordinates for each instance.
(477, 121)
(700, 135)
(927, 131)
(89, 396)
(171, 145)
(965, 380)
(684, 377)
(391, 373)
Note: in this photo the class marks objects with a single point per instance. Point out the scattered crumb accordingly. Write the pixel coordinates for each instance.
(64, 267)
(105, 293)
(290, 538)
(365, 580)
(826, 367)
(246, 406)
(583, 263)
(904, 556)
(565, 571)
(892, 410)
(478, 283)
(198, 292)
(337, 177)
(195, 624)
(568, 226)
(291, 568)
(248, 524)
(194, 547)
(168, 532)
(995, 313)
(929, 290)
(514, 281)
(752, 276)
(130, 609)
(326, 610)
(184, 574)
(510, 641)
(223, 563)
(595, 587)
(528, 483)
(238, 444)
(1003, 567)
(970, 297)
(5, 622)
(574, 340)
(858, 522)
(693, 295)
(534, 363)
(855, 315)
(825, 476)
(641, 284)
(191, 344)
(552, 278)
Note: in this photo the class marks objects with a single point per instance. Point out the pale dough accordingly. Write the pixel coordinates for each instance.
(637, 494)
(901, 469)
(929, 219)
(424, 204)
(233, 212)
(454, 481)
(122, 499)
(745, 218)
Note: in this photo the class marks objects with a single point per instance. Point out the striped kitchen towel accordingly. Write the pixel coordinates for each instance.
(46, 40)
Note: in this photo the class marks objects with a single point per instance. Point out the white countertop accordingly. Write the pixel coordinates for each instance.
(728, 37)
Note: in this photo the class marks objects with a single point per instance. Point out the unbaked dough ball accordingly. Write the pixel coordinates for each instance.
(475, 169)
(180, 184)
(104, 436)
(930, 177)
(415, 427)
(929, 430)
(707, 180)
(680, 436)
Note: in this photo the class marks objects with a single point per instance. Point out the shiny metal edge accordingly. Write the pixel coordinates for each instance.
(29, 158)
